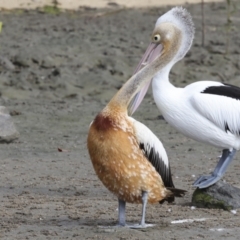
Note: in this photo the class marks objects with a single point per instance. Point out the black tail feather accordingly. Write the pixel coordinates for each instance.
(175, 193)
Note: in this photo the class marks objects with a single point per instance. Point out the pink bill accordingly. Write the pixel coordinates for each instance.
(153, 51)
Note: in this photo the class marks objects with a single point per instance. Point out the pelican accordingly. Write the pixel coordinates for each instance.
(127, 157)
(206, 111)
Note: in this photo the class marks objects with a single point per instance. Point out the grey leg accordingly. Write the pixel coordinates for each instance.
(144, 205)
(224, 161)
(121, 212)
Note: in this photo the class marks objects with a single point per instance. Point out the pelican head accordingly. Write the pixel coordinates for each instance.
(170, 41)
(173, 33)
(177, 23)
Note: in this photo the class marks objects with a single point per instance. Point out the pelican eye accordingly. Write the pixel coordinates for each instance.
(156, 38)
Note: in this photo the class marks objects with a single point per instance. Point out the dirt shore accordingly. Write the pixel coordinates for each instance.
(75, 4)
(67, 67)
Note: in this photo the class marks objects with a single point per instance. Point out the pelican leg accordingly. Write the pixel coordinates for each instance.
(208, 180)
(121, 212)
(144, 205)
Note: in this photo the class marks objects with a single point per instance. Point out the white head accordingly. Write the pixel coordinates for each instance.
(174, 32)
(171, 39)
(182, 20)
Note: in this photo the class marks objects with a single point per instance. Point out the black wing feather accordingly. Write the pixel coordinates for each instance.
(158, 163)
(226, 90)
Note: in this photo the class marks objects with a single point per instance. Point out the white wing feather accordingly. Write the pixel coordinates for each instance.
(147, 137)
(218, 109)
(154, 152)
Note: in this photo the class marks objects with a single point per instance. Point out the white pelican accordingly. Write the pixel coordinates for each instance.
(205, 111)
(127, 157)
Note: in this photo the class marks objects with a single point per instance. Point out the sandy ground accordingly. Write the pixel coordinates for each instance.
(68, 66)
(75, 4)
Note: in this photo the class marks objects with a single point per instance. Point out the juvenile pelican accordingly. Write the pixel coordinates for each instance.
(127, 157)
(205, 111)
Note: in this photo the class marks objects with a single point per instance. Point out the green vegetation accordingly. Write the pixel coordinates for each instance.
(51, 9)
(201, 199)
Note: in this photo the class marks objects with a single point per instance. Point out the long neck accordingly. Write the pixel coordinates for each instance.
(165, 93)
(141, 78)
(161, 80)
(168, 56)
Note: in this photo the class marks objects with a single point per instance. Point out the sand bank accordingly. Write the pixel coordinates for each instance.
(75, 4)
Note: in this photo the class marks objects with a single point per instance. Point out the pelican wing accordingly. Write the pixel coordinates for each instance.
(220, 105)
(154, 152)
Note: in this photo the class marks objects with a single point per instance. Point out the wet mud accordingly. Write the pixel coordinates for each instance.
(67, 67)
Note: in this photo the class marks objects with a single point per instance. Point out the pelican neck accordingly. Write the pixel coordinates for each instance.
(161, 80)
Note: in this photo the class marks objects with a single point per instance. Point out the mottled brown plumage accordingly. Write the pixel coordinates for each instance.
(120, 146)
(119, 162)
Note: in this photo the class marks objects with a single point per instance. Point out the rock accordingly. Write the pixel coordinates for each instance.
(6, 63)
(8, 131)
(220, 195)
(48, 62)
(22, 60)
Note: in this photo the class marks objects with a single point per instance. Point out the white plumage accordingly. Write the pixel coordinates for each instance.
(200, 116)
(145, 136)
(205, 111)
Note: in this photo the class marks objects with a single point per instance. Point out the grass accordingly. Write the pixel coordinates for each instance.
(51, 9)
